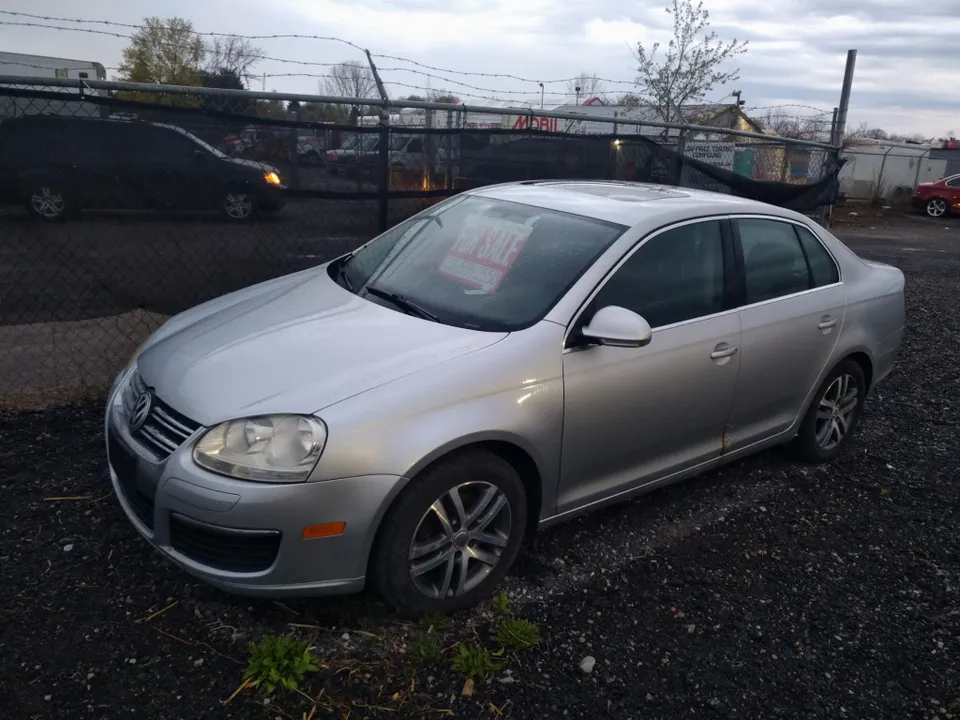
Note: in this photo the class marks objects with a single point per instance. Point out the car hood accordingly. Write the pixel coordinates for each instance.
(253, 164)
(296, 345)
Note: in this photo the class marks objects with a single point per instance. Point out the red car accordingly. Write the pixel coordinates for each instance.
(939, 198)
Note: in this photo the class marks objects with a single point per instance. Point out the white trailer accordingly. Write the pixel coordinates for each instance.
(37, 69)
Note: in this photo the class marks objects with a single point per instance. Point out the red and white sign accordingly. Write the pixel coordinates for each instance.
(484, 251)
(537, 123)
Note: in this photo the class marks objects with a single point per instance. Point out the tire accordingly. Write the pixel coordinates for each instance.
(936, 207)
(48, 202)
(239, 205)
(493, 500)
(817, 440)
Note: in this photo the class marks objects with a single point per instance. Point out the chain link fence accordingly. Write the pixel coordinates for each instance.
(125, 204)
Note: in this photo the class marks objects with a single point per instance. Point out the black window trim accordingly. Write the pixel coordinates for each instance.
(741, 271)
(730, 281)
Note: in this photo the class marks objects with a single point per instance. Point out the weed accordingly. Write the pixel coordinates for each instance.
(473, 661)
(278, 662)
(435, 621)
(517, 634)
(425, 648)
(501, 603)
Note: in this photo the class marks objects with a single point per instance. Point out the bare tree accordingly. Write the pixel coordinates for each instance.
(798, 127)
(692, 65)
(586, 86)
(349, 79)
(873, 133)
(230, 54)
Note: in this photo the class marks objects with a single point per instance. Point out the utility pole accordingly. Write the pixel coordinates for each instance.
(841, 125)
(383, 206)
(541, 96)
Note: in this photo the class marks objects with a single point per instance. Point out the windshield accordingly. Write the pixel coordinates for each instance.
(360, 142)
(206, 146)
(481, 263)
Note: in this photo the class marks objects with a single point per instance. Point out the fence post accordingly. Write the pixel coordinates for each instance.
(383, 189)
(876, 188)
(294, 154)
(681, 149)
(447, 171)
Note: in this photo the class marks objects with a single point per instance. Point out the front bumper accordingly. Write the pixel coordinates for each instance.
(245, 537)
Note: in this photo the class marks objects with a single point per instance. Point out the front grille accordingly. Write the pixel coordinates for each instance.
(165, 429)
(125, 466)
(233, 550)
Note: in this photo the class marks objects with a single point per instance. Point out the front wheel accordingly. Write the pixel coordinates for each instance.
(833, 415)
(452, 535)
(239, 205)
(936, 207)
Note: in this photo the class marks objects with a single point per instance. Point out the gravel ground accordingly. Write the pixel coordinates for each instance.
(766, 589)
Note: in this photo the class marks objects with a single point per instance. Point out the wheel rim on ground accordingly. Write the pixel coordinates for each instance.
(836, 410)
(47, 203)
(936, 208)
(238, 205)
(459, 540)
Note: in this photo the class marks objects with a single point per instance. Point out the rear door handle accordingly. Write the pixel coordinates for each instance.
(827, 322)
(723, 351)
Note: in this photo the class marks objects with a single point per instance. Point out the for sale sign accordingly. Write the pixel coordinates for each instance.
(485, 250)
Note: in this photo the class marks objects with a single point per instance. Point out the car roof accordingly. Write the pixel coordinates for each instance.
(628, 203)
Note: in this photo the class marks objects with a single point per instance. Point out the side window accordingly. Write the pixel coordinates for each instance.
(822, 267)
(675, 276)
(954, 182)
(773, 260)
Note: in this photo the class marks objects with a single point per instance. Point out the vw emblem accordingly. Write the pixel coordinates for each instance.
(141, 411)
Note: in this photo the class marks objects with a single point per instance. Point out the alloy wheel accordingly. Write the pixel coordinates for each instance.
(836, 411)
(47, 203)
(238, 206)
(936, 207)
(459, 539)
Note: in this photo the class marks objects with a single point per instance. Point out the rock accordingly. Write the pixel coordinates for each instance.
(715, 703)
(587, 664)
(68, 547)
(345, 636)
(198, 662)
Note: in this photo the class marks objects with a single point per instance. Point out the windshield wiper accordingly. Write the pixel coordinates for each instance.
(342, 273)
(401, 302)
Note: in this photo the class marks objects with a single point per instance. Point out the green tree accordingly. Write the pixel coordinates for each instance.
(694, 62)
(166, 51)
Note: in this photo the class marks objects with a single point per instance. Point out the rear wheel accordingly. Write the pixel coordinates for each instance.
(833, 415)
(453, 534)
(936, 207)
(48, 202)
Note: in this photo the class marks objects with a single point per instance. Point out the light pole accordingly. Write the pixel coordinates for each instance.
(541, 95)
(577, 89)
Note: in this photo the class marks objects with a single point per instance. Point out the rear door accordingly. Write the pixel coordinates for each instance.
(793, 305)
(953, 193)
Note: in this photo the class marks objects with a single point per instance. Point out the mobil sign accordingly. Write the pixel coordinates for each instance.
(528, 122)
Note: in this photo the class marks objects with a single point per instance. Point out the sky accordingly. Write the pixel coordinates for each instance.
(907, 76)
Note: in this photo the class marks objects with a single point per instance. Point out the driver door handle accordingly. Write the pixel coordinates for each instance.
(827, 322)
(723, 351)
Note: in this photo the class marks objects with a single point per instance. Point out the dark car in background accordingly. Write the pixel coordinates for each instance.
(57, 166)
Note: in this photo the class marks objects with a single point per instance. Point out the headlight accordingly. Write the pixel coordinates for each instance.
(273, 448)
(271, 178)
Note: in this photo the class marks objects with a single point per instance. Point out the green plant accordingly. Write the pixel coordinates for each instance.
(425, 648)
(278, 662)
(517, 634)
(435, 621)
(501, 603)
(473, 661)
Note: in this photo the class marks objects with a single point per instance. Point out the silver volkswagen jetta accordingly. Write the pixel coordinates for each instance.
(509, 358)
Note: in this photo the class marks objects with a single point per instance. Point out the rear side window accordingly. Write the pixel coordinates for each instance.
(822, 267)
(773, 260)
(954, 182)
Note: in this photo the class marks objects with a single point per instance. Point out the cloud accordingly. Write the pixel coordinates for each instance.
(905, 77)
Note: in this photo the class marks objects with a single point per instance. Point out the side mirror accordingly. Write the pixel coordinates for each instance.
(617, 327)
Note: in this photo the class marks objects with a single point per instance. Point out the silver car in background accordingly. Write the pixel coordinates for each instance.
(514, 356)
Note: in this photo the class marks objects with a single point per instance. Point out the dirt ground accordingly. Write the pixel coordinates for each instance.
(766, 589)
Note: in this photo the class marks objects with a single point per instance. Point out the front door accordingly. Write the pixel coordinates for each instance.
(633, 416)
(793, 308)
